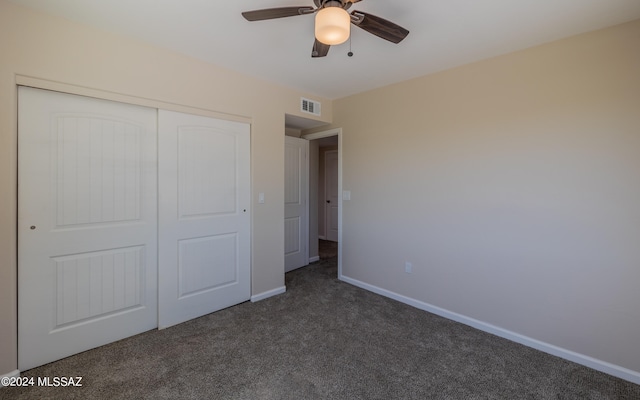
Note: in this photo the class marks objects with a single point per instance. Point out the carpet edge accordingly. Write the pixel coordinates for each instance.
(582, 359)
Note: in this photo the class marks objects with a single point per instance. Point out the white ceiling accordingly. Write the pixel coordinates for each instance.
(443, 34)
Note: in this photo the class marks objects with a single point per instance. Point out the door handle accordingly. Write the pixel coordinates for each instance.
(328, 201)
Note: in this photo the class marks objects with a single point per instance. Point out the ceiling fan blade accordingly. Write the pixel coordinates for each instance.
(381, 27)
(271, 13)
(319, 49)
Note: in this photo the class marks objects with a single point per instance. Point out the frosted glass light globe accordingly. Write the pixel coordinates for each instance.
(333, 25)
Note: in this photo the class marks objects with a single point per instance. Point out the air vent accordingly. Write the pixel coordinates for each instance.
(309, 106)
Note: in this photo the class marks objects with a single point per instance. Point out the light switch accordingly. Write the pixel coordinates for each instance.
(346, 195)
(261, 198)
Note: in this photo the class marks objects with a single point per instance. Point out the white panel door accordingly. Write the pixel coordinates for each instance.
(87, 242)
(204, 233)
(296, 225)
(331, 192)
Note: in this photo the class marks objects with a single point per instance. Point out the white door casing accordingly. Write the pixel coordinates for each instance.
(331, 193)
(296, 213)
(87, 225)
(204, 215)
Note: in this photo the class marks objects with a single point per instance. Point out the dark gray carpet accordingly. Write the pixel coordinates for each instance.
(327, 249)
(322, 339)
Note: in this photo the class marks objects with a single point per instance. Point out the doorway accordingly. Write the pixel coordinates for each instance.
(325, 203)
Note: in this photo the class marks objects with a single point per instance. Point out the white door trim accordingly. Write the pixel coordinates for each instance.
(38, 83)
(324, 134)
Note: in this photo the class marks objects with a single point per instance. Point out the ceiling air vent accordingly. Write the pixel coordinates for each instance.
(309, 106)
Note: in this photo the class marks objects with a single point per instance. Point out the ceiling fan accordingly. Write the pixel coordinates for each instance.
(332, 24)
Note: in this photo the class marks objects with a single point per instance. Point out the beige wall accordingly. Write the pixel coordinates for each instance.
(513, 186)
(58, 51)
(292, 132)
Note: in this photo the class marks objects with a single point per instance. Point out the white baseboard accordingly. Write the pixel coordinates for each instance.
(12, 374)
(269, 293)
(314, 259)
(602, 366)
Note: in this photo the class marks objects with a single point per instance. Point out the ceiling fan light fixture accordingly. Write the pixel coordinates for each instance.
(333, 25)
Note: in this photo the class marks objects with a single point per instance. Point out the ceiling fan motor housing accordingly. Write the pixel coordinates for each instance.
(333, 3)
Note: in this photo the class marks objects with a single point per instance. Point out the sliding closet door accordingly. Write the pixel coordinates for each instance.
(204, 234)
(87, 224)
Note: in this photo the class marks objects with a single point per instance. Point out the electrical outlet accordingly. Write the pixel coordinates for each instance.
(408, 267)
